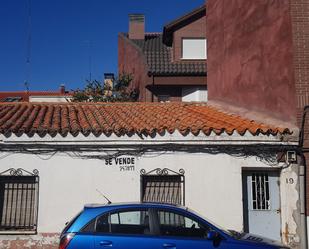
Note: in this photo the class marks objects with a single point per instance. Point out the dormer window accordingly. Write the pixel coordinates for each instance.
(194, 49)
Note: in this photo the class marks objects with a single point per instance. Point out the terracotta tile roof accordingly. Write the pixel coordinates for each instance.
(159, 58)
(123, 118)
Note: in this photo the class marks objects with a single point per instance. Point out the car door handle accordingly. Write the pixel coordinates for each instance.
(169, 246)
(106, 243)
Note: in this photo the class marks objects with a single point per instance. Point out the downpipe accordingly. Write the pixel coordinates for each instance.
(302, 182)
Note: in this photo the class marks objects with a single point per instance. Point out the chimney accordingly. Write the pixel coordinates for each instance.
(62, 89)
(109, 79)
(136, 26)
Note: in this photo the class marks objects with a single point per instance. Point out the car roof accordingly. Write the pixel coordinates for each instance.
(131, 204)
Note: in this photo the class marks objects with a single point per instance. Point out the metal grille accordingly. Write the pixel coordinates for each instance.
(260, 191)
(163, 188)
(18, 202)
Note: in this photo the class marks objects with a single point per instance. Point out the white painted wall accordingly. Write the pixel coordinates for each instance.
(213, 184)
(49, 99)
(194, 94)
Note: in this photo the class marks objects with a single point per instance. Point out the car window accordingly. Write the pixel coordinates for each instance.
(175, 224)
(124, 222)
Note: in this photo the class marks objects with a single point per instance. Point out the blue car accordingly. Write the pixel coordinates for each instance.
(151, 226)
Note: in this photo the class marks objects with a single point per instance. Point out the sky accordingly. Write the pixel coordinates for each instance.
(65, 34)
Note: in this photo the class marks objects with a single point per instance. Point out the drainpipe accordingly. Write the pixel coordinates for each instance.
(152, 97)
(302, 197)
(302, 182)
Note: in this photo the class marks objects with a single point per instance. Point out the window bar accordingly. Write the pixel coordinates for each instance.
(16, 205)
(21, 189)
(6, 192)
(260, 191)
(254, 194)
(26, 205)
(31, 210)
(267, 193)
(11, 200)
(264, 192)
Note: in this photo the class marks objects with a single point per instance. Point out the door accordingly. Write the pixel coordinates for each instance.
(262, 204)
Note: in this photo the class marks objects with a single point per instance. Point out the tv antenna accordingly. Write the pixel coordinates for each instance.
(89, 48)
(108, 201)
(28, 54)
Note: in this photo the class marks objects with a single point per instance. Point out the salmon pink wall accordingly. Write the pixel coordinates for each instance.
(250, 62)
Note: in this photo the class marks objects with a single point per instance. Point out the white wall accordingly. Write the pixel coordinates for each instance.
(194, 94)
(213, 184)
(49, 99)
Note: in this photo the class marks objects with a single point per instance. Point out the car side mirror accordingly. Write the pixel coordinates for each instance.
(212, 235)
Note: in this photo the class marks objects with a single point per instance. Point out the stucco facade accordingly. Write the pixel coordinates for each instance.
(213, 176)
(250, 56)
(258, 60)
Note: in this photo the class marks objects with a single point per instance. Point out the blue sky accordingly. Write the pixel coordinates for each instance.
(61, 31)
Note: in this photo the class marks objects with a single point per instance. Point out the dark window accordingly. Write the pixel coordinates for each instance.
(175, 224)
(125, 222)
(18, 203)
(163, 189)
(12, 99)
(163, 98)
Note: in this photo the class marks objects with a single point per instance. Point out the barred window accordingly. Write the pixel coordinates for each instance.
(18, 203)
(260, 191)
(163, 186)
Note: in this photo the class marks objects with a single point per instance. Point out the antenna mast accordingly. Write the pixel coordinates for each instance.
(28, 55)
(108, 201)
(88, 43)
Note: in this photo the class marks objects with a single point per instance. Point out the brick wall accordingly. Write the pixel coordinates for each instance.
(39, 241)
(131, 60)
(196, 29)
(299, 10)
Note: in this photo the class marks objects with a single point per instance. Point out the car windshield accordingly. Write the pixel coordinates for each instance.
(231, 233)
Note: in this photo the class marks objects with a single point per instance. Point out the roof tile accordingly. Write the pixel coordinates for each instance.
(124, 118)
(159, 58)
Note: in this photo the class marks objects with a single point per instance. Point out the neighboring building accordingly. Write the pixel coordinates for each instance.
(37, 96)
(168, 66)
(54, 158)
(258, 67)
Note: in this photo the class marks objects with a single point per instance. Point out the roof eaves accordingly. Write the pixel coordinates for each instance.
(180, 22)
(156, 73)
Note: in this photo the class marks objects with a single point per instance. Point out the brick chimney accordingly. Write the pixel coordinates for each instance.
(136, 26)
(62, 89)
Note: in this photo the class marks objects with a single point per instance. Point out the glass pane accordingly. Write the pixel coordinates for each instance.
(133, 218)
(130, 222)
(174, 224)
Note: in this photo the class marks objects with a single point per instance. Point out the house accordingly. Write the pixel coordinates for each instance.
(170, 65)
(56, 157)
(37, 96)
(258, 67)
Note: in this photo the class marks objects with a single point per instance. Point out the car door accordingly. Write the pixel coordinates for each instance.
(124, 229)
(181, 231)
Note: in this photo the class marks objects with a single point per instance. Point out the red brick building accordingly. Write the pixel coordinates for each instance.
(167, 66)
(258, 65)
